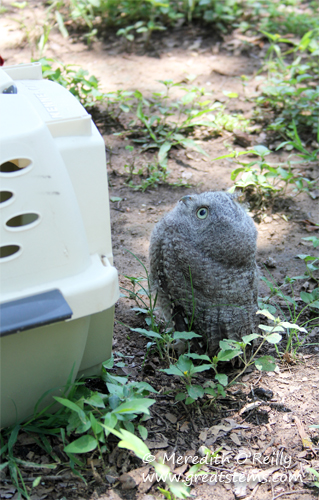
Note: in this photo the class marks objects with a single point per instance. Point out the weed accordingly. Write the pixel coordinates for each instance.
(82, 412)
(37, 34)
(314, 473)
(85, 89)
(151, 15)
(185, 369)
(286, 17)
(162, 123)
(229, 349)
(261, 181)
(291, 93)
(131, 442)
(139, 27)
(310, 262)
(295, 314)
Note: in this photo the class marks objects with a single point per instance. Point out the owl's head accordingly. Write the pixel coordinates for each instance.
(215, 221)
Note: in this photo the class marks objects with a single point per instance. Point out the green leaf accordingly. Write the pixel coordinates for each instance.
(266, 313)
(172, 370)
(143, 431)
(248, 338)
(96, 426)
(189, 143)
(267, 328)
(222, 379)
(184, 364)
(36, 482)
(164, 149)
(234, 154)
(72, 406)
(185, 335)
(306, 297)
(231, 95)
(195, 391)
(180, 396)
(228, 354)
(189, 400)
(114, 199)
(266, 364)
(274, 338)
(147, 333)
(189, 97)
(84, 444)
(314, 239)
(61, 24)
(201, 368)
(135, 406)
(261, 150)
(12, 439)
(178, 488)
(95, 400)
(285, 324)
(110, 421)
(203, 357)
(131, 442)
(235, 172)
(108, 364)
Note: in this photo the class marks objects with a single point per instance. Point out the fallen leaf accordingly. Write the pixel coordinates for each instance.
(249, 407)
(128, 483)
(157, 445)
(181, 469)
(306, 441)
(233, 436)
(240, 483)
(184, 427)
(203, 435)
(172, 418)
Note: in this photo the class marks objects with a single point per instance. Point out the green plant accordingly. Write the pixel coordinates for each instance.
(310, 260)
(82, 421)
(316, 474)
(85, 89)
(140, 27)
(295, 313)
(262, 181)
(229, 349)
(285, 17)
(185, 369)
(150, 175)
(162, 123)
(37, 34)
(178, 489)
(271, 334)
(291, 92)
(118, 102)
(296, 143)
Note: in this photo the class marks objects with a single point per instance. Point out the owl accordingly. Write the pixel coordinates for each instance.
(203, 267)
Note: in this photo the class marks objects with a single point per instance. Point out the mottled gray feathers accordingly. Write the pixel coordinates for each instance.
(202, 260)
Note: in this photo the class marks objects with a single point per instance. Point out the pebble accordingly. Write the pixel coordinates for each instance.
(267, 219)
(270, 262)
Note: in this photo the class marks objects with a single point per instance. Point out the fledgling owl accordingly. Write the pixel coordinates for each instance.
(203, 267)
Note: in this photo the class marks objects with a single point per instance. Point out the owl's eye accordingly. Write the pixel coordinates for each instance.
(202, 213)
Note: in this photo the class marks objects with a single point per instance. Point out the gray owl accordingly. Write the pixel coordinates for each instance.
(203, 267)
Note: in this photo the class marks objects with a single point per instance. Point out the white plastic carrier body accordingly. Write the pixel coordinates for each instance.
(58, 286)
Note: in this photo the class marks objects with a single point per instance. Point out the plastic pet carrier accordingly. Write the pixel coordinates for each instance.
(58, 286)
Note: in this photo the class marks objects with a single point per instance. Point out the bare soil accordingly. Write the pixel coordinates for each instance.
(267, 437)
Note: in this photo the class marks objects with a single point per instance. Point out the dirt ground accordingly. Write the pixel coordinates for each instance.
(273, 428)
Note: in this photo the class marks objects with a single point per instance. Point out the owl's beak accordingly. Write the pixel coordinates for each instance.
(186, 199)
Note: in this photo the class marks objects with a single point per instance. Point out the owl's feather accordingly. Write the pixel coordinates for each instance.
(202, 260)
